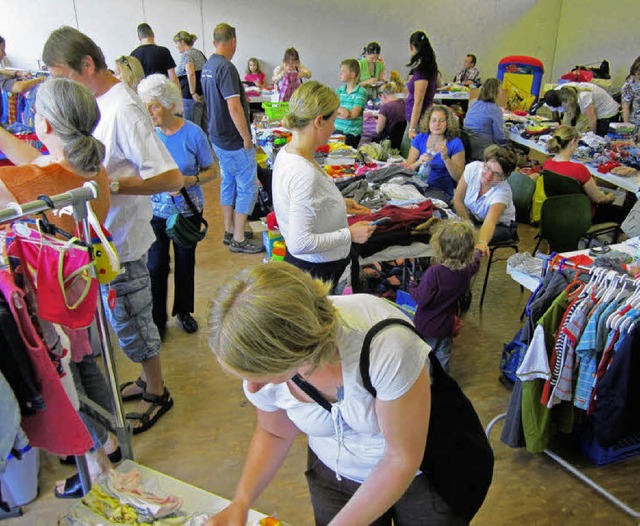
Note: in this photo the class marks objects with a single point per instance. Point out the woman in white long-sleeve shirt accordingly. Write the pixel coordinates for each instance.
(311, 212)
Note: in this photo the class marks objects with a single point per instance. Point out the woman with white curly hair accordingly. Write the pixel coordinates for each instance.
(190, 149)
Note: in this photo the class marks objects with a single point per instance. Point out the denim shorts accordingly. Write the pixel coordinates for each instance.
(239, 178)
(132, 318)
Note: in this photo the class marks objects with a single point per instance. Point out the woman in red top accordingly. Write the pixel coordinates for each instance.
(564, 144)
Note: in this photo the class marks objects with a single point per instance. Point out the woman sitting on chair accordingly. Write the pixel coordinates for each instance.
(484, 197)
(564, 144)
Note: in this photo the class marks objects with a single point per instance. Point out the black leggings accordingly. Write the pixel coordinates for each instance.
(330, 271)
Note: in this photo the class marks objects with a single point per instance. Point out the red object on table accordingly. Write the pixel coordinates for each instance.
(605, 168)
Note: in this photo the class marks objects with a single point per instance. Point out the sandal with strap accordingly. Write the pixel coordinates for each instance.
(135, 396)
(160, 404)
(72, 488)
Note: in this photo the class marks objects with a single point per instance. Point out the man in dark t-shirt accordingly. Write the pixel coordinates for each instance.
(154, 58)
(230, 136)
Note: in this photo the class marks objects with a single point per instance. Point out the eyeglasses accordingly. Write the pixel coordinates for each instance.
(495, 175)
(123, 60)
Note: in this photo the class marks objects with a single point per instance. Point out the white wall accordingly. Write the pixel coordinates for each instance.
(327, 31)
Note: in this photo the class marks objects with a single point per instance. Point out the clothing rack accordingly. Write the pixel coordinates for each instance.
(78, 199)
(554, 456)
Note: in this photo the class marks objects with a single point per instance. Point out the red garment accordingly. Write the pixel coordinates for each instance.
(400, 216)
(576, 171)
(58, 428)
(60, 274)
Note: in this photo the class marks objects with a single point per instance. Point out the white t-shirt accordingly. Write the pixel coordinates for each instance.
(479, 206)
(132, 148)
(349, 440)
(311, 211)
(603, 104)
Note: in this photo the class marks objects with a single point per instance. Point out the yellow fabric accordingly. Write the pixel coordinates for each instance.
(539, 197)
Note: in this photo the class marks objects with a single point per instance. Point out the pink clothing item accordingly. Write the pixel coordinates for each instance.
(79, 342)
(256, 78)
(57, 428)
(290, 82)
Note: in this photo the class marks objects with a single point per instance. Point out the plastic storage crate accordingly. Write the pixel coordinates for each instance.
(406, 304)
(275, 110)
(627, 447)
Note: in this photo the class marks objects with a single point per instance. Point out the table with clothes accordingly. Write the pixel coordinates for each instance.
(135, 494)
(615, 163)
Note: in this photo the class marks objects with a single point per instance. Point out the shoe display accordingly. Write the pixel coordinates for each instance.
(189, 324)
(245, 247)
(228, 237)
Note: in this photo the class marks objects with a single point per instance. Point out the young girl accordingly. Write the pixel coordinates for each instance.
(289, 75)
(254, 73)
(443, 284)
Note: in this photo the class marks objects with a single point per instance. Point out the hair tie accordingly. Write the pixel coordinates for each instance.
(85, 133)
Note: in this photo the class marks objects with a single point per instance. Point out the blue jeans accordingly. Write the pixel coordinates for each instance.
(196, 113)
(239, 178)
(442, 349)
(89, 381)
(132, 318)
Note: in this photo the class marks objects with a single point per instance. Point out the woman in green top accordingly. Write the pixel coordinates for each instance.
(371, 69)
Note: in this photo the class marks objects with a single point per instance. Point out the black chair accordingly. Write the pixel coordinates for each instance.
(497, 245)
(566, 219)
(522, 190)
(556, 184)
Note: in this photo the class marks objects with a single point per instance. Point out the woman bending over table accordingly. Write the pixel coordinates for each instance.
(484, 197)
(631, 95)
(392, 114)
(371, 69)
(272, 322)
(311, 212)
(437, 152)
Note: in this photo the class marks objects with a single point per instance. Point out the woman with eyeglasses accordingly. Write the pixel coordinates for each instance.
(129, 70)
(311, 212)
(484, 197)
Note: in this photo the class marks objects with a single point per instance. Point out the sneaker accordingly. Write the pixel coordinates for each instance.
(228, 237)
(245, 247)
(189, 324)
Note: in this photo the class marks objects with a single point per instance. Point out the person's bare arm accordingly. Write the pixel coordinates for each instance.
(191, 79)
(169, 181)
(626, 111)
(17, 151)
(458, 199)
(404, 423)
(173, 77)
(382, 120)
(590, 113)
(21, 86)
(237, 115)
(208, 174)
(270, 445)
(593, 192)
(455, 164)
(6, 197)
(489, 226)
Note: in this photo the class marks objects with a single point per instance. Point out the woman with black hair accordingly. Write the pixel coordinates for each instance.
(422, 82)
(371, 69)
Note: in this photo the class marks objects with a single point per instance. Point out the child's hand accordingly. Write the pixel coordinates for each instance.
(482, 247)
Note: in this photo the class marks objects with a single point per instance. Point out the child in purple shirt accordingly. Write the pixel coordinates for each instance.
(443, 284)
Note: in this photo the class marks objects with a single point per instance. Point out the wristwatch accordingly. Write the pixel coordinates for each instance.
(114, 186)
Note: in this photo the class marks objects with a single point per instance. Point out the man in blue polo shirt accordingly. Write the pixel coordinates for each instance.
(230, 135)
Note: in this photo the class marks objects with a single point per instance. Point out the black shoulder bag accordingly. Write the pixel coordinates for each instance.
(458, 459)
(181, 229)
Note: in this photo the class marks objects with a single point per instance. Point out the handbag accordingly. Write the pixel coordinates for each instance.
(458, 459)
(182, 230)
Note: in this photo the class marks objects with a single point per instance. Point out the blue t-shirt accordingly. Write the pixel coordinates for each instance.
(439, 177)
(191, 151)
(220, 81)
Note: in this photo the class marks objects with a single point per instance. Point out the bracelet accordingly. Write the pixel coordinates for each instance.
(414, 129)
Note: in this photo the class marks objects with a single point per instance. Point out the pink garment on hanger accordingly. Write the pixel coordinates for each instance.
(58, 428)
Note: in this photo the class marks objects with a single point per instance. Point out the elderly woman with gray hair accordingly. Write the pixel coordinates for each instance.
(190, 149)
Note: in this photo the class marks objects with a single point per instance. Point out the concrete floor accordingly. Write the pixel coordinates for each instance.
(203, 439)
